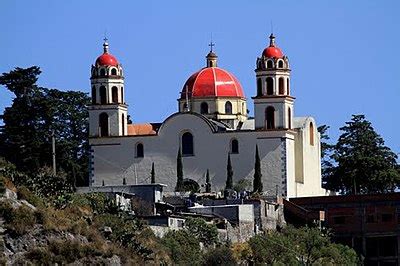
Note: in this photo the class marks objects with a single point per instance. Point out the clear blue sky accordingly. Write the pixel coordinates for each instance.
(344, 54)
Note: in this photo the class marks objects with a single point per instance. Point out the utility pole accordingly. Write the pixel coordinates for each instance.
(53, 144)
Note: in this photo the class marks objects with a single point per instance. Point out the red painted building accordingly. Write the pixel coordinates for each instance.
(368, 223)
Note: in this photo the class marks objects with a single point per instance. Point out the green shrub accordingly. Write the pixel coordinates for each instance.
(46, 184)
(126, 231)
(22, 220)
(25, 194)
(62, 252)
(219, 256)
(6, 210)
(100, 203)
(183, 247)
(2, 185)
(204, 232)
(39, 256)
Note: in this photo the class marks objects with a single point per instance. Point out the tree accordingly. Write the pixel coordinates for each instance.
(26, 136)
(229, 174)
(179, 171)
(363, 164)
(183, 247)
(190, 185)
(218, 256)
(20, 141)
(47, 185)
(257, 183)
(306, 246)
(203, 232)
(326, 153)
(153, 174)
(208, 182)
(242, 185)
(271, 248)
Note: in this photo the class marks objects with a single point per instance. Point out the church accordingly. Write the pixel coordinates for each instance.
(212, 123)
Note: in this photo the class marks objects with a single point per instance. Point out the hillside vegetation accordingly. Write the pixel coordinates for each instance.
(74, 229)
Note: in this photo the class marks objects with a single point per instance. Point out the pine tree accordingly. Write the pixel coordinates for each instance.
(363, 164)
(257, 183)
(179, 171)
(208, 183)
(153, 174)
(229, 174)
(29, 121)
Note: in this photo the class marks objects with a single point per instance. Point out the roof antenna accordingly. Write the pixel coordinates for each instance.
(105, 44)
(272, 27)
(272, 37)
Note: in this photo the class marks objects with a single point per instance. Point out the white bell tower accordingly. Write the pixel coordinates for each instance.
(273, 104)
(108, 111)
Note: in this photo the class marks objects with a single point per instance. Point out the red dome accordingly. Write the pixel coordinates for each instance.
(272, 51)
(212, 82)
(106, 59)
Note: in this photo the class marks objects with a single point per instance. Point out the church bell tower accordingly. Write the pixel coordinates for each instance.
(273, 104)
(108, 111)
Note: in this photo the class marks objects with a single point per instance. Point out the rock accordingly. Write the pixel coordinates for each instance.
(107, 230)
(69, 236)
(114, 260)
(11, 195)
(27, 204)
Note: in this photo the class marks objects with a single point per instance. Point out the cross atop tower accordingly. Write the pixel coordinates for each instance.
(211, 45)
(105, 45)
(272, 40)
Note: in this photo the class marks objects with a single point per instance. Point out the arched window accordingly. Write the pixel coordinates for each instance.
(259, 87)
(280, 64)
(228, 108)
(122, 94)
(139, 150)
(281, 86)
(113, 71)
(270, 117)
(187, 144)
(287, 87)
(103, 95)
(270, 64)
(93, 95)
(289, 118)
(204, 108)
(102, 72)
(114, 92)
(270, 86)
(234, 146)
(123, 124)
(311, 134)
(103, 124)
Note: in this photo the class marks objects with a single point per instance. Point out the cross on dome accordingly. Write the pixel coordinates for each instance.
(272, 40)
(211, 45)
(105, 45)
(272, 51)
(106, 59)
(211, 56)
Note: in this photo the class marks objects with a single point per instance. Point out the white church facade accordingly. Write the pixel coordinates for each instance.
(211, 122)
